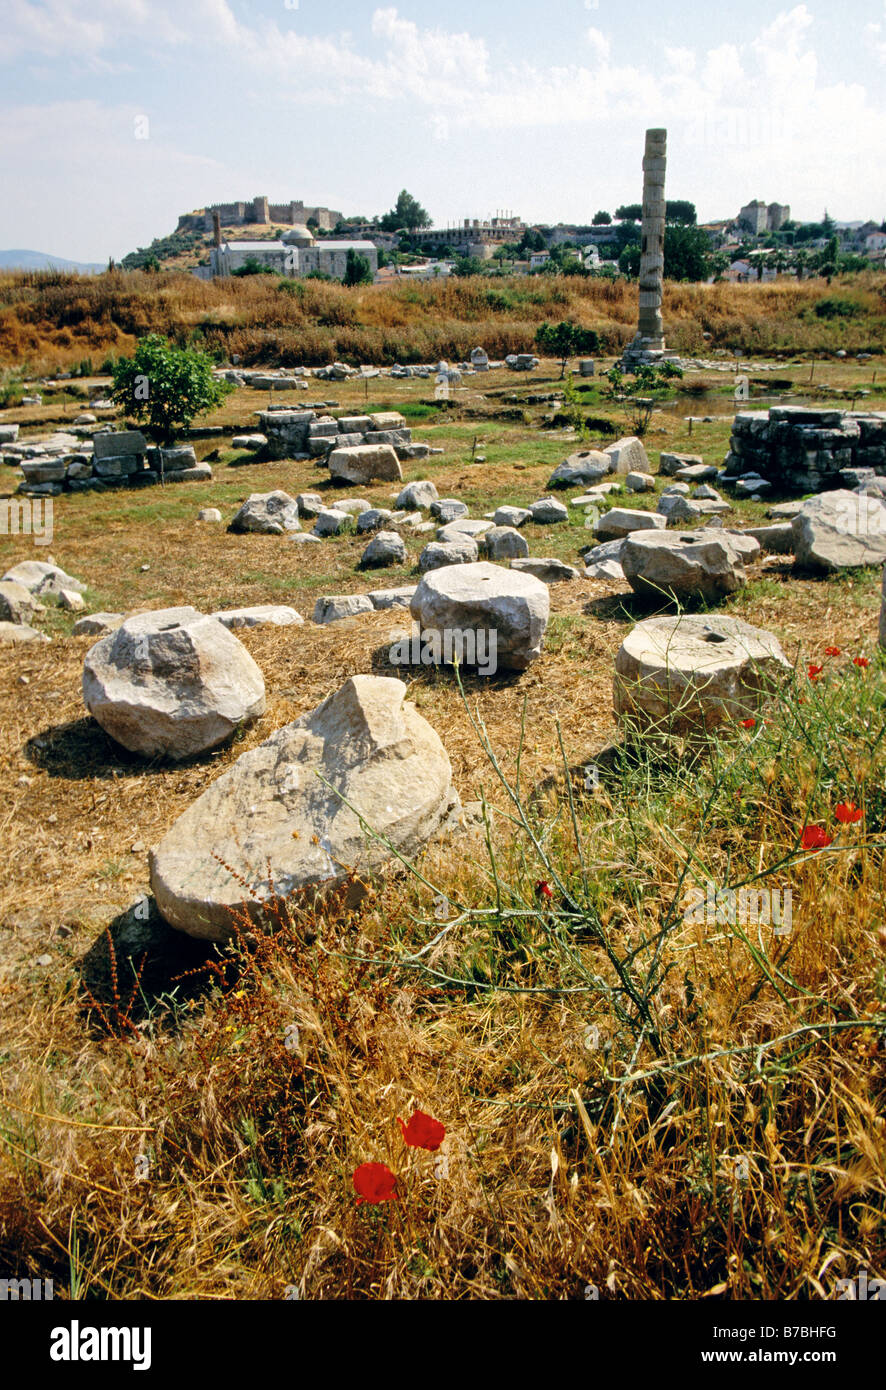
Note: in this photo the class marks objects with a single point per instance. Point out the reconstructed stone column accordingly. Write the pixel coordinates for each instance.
(649, 344)
(650, 327)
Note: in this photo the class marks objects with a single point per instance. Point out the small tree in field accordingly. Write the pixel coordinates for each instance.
(164, 387)
(564, 340)
(638, 397)
(358, 271)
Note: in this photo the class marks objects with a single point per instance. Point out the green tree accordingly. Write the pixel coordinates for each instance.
(687, 253)
(164, 387)
(679, 210)
(637, 396)
(849, 264)
(827, 260)
(468, 265)
(601, 219)
(629, 260)
(252, 266)
(531, 240)
(564, 340)
(629, 212)
(358, 271)
(406, 213)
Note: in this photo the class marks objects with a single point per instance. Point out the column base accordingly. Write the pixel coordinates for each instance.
(645, 351)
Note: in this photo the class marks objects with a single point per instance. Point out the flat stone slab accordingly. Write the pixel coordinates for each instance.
(331, 608)
(585, 466)
(511, 516)
(546, 568)
(392, 598)
(697, 473)
(98, 624)
(464, 526)
(19, 634)
(619, 522)
(670, 464)
(785, 511)
(686, 674)
(114, 443)
(277, 615)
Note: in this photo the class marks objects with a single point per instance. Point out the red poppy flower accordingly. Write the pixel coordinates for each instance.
(747, 723)
(815, 837)
(832, 651)
(543, 889)
(848, 813)
(374, 1182)
(815, 672)
(422, 1132)
(860, 661)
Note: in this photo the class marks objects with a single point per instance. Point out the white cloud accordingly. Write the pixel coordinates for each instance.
(84, 30)
(876, 33)
(758, 109)
(599, 45)
(682, 60)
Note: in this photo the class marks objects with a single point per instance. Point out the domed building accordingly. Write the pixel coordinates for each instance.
(298, 236)
(298, 252)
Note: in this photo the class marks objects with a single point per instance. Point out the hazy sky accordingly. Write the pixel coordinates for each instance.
(117, 115)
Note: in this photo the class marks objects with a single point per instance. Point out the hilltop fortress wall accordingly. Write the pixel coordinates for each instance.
(258, 210)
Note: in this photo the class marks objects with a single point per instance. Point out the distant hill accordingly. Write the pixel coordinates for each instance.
(39, 260)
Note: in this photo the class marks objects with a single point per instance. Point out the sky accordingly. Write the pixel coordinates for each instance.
(118, 115)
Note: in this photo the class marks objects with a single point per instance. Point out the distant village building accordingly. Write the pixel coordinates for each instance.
(758, 217)
(258, 211)
(475, 238)
(297, 253)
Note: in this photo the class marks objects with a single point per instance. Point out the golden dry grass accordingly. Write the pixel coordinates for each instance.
(54, 320)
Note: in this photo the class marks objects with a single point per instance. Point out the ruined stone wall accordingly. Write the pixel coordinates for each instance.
(804, 450)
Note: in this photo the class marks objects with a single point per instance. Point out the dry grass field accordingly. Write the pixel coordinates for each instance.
(51, 321)
(632, 1102)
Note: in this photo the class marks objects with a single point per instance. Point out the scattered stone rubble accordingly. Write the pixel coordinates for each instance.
(85, 459)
